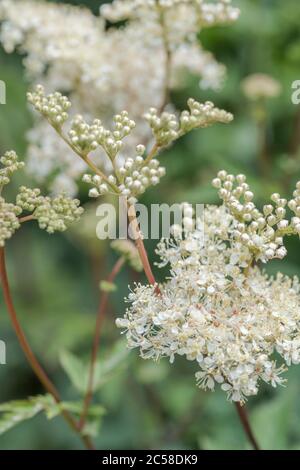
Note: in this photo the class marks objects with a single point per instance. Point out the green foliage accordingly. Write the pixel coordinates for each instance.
(271, 421)
(78, 370)
(14, 412)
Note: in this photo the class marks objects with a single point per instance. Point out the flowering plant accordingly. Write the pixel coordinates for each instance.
(102, 100)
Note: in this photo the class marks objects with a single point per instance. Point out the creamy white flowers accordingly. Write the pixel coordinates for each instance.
(262, 232)
(104, 70)
(217, 308)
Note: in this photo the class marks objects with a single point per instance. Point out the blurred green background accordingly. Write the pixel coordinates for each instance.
(55, 279)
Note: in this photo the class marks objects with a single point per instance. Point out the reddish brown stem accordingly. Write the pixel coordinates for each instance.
(99, 321)
(246, 425)
(141, 248)
(26, 218)
(34, 363)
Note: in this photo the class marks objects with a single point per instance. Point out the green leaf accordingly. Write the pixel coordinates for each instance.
(107, 367)
(93, 421)
(76, 370)
(16, 411)
(271, 420)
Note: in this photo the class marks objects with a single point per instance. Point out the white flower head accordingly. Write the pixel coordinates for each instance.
(216, 308)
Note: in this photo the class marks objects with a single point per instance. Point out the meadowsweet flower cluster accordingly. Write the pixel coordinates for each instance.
(52, 214)
(261, 232)
(217, 308)
(132, 176)
(104, 70)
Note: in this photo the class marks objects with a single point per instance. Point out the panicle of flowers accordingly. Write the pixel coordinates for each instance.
(52, 214)
(133, 176)
(67, 48)
(262, 232)
(216, 308)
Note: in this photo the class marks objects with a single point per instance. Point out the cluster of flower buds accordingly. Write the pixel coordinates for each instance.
(201, 115)
(261, 232)
(100, 187)
(57, 213)
(134, 177)
(29, 199)
(9, 213)
(167, 127)
(54, 106)
(9, 221)
(128, 250)
(10, 164)
(137, 174)
(86, 138)
(52, 214)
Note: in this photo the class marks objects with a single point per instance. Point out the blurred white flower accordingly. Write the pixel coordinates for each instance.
(259, 86)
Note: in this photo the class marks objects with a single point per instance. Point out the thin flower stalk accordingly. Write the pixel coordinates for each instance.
(99, 322)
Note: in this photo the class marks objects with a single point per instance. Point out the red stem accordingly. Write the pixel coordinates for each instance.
(34, 363)
(99, 321)
(141, 248)
(246, 425)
